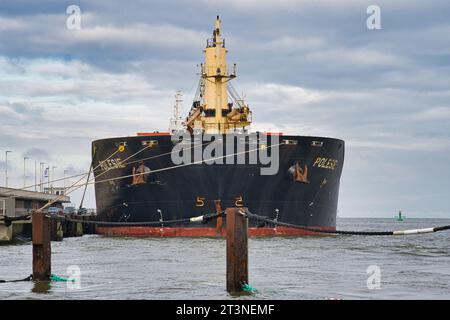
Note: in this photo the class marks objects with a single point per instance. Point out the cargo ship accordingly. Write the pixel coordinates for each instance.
(211, 160)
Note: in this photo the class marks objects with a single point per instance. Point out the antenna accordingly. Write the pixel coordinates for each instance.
(175, 121)
(176, 109)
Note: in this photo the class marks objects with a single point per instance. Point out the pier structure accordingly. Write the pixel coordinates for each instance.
(16, 206)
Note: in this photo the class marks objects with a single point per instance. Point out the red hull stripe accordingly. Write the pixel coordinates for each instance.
(273, 133)
(201, 232)
(145, 134)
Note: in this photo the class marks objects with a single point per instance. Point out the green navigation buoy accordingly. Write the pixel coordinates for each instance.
(399, 217)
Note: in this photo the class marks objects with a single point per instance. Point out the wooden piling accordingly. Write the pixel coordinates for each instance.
(219, 220)
(56, 233)
(237, 250)
(93, 227)
(72, 226)
(53, 229)
(59, 231)
(41, 246)
(78, 229)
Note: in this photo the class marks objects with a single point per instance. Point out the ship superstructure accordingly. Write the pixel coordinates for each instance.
(217, 108)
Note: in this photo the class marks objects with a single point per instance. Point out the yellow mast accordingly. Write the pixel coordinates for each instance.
(214, 113)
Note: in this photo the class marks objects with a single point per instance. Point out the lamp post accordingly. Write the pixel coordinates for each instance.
(48, 178)
(25, 171)
(41, 164)
(35, 176)
(6, 168)
(53, 178)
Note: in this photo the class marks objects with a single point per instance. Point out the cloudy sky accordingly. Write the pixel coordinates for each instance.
(305, 67)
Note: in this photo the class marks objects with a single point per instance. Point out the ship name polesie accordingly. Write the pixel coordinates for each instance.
(325, 163)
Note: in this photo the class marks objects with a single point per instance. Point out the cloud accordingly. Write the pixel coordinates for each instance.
(47, 35)
(74, 99)
(268, 6)
(355, 57)
(8, 112)
(403, 143)
(437, 113)
(46, 77)
(37, 154)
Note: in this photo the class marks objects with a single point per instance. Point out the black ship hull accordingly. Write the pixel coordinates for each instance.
(172, 192)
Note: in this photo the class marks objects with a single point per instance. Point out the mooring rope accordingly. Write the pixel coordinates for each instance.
(16, 218)
(203, 219)
(124, 164)
(49, 203)
(206, 217)
(160, 155)
(92, 181)
(9, 220)
(29, 278)
(176, 166)
(53, 277)
(250, 215)
(76, 187)
(82, 175)
(248, 288)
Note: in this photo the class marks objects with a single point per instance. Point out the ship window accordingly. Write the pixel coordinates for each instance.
(286, 141)
(317, 143)
(210, 113)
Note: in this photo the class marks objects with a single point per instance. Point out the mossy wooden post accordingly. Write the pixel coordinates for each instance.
(219, 220)
(41, 246)
(237, 250)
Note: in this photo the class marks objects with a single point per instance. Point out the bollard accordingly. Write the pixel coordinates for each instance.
(237, 250)
(41, 247)
(59, 231)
